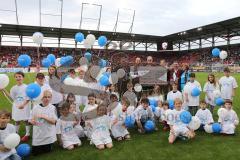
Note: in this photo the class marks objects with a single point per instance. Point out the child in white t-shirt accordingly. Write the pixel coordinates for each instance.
(101, 125)
(21, 107)
(228, 85)
(119, 130)
(172, 95)
(210, 86)
(164, 116)
(43, 119)
(66, 134)
(228, 119)
(204, 115)
(6, 129)
(177, 127)
(192, 101)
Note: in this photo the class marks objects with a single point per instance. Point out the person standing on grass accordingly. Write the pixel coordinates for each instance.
(210, 86)
(228, 85)
(192, 101)
(43, 118)
(20, 108)
(5, 129)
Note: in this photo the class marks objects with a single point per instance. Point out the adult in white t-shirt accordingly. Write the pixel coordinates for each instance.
(228, 85)
(192, 101)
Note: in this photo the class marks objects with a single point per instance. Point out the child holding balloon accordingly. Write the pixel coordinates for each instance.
(177, 127)
(209, 87)
(228, 118)
(5, 130)
(192, 92)
(43, 118)
(119, 130)
(20, 108)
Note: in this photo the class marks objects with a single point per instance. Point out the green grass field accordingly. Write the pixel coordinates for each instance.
(153, 145)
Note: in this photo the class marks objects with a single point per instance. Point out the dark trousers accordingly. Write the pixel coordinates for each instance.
(36, 150)
(193, 110)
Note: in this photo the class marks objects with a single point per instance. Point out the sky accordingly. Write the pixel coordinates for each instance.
(152, 17)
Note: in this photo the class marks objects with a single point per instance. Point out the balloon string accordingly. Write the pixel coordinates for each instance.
(7, 97)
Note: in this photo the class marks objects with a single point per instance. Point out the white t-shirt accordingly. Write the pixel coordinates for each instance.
(3, 135)
(227, 85)
(67, 131)
(18, 94)
(193, 101)
(44, 132)
(174, 118)
(205, 116)
(228, 117)
(172, 96)
(141, 113)
(209, 88)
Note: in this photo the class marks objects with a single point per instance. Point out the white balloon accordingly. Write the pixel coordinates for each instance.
(37, 37)
(11, 141)
(223, 55)
(87, 44)
(208, 128)
(91, 39)
(121, 73)
(164, 45)
(113, 78)
(4, 81)
(216, 93)
(57, 62)
(138, 87)
(195, 123)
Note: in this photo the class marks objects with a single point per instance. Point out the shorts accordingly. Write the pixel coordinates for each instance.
(102, 141)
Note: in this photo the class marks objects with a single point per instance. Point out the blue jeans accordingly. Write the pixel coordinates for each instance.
(14, 157)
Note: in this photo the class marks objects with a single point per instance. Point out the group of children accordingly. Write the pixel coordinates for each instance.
(57, 117)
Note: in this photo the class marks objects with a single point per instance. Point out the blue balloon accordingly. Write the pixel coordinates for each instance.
(108, 74)
(66, 61)
(149, 126)
(219, 101)
(102, 63)
(186, 117)
(153, 108)
(104, 81)
(215, 52)
(153, 102)
(46, 62)
(88, 56)
(216, 127)
(195, 92)
(33, 90)
(23, 150)
(129, 121)
(52, 58)
(79, 37)
(171, 104)
(102, 41)
(24, 60)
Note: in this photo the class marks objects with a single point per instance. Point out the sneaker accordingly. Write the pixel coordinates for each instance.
(25, 138)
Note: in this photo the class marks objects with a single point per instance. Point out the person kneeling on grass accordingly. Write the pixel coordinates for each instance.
(66, 134)
(177, 127)
(43, 119)
(142, 114)
(5, 129)
(101, 125)
(228, 119)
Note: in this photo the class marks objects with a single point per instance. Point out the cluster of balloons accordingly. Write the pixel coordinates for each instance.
(213, 128)
(193, 122)
(90, 40)
(50, 60)
(221, 54)
(24, 60)
(4, 81)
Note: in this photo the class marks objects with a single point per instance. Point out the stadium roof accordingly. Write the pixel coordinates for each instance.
(229, 27)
